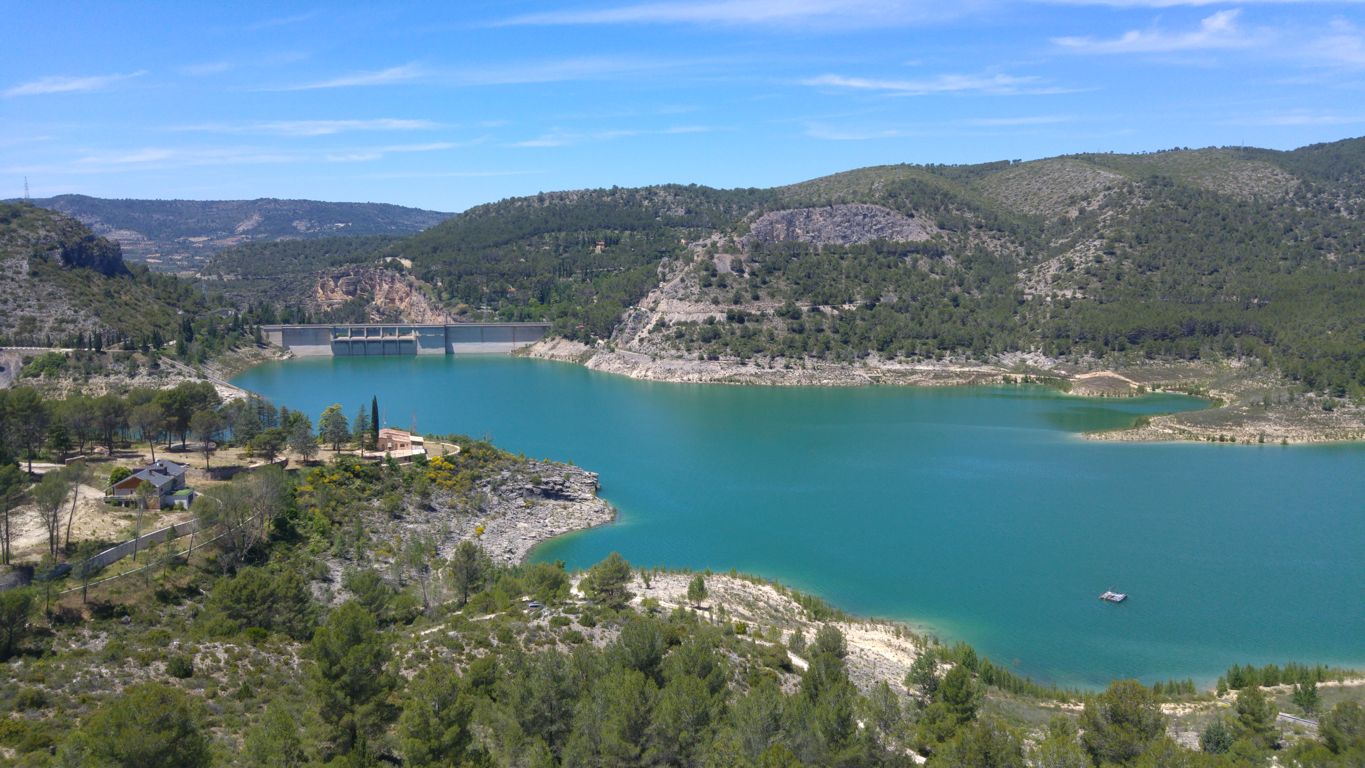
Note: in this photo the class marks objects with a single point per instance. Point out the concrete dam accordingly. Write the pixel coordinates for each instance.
(360, 340)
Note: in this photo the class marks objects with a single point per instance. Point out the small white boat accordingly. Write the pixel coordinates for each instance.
(1113, 597)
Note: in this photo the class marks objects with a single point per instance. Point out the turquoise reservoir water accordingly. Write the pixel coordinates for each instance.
(977, 512)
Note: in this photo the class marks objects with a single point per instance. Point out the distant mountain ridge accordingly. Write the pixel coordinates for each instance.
(181, 235)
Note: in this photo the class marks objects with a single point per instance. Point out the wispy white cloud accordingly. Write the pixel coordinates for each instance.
(352, 157)
(314, 127)
(143, 159)
(823, 14)
(432, 146)
(165, 157)
(864, 132)
(565, 70)
(558, 138)
(173, 156)
(444, 174)
(1299, 119)
(1008, 122)
(15, 139)
(282, 21)
(1192, 3)
(564, 139)
(1344, 44)
(205, 69)
(391, 76)
(521, 73)
(1218, 31)
(65, 84)
(836, 133)
(378, 153)
(998, 84)
(256, 60)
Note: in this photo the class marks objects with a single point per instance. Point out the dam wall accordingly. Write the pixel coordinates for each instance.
(365, 340)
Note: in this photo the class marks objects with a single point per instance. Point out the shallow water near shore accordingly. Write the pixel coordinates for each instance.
(976, 511)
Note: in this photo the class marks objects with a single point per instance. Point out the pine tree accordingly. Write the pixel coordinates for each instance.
(606, 582)
(360, 429)
(332, 426)
(348, 679)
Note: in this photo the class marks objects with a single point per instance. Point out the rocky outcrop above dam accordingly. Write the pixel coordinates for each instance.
(391, 296)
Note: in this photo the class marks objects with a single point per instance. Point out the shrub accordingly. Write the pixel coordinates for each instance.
(1217, 738)
(180, 667)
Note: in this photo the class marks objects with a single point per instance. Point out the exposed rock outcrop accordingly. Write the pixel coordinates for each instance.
(839, 225)
(393, 297)
(532, 505)
(508, 513)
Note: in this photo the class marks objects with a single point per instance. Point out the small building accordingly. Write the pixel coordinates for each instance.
(167, 479)
(398, 445)
(183, 498)
(393, 440)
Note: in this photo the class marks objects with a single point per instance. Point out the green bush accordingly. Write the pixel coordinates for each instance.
(27, 736)
(30, 698)
(180, 667)
(48, 364)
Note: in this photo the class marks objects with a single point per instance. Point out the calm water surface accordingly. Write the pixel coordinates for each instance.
(977, 512)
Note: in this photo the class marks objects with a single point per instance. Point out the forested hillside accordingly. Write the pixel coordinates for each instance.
(1185, 254)
(63, 286)
(180, 235)
(1226, 254)
(576, 258)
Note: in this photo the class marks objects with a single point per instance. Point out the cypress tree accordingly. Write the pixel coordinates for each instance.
(374, 420)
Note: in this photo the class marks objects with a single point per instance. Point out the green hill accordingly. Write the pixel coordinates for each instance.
(61, 285)
(1185, 254)
(1208, 254)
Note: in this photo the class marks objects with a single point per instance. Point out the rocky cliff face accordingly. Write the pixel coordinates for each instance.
(392, 297)
(839, 225)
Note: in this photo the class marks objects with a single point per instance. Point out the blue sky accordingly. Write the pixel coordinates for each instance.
(448, 105)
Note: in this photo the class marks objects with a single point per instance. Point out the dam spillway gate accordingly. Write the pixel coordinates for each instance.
(395, 339)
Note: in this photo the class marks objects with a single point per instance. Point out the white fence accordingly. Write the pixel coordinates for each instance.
(119, 551)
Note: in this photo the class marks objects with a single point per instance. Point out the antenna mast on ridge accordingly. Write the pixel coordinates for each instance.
(25, 187)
